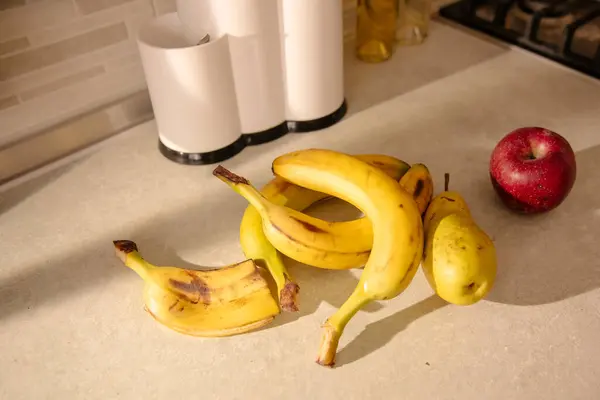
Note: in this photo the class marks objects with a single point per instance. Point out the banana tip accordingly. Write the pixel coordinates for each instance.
(324, 363)
(288, 297)
(223, 173)
(124, 247)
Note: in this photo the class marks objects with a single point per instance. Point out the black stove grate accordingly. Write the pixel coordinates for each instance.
(541, 12)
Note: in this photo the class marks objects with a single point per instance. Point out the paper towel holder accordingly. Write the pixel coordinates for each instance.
(266, 111)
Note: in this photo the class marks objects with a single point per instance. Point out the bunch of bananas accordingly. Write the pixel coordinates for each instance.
(401, 226)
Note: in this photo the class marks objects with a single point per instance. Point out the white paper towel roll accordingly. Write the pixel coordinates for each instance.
(254, 43)
(191, 86)
(313, 62)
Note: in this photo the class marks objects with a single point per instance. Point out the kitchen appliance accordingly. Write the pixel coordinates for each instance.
(566, 31)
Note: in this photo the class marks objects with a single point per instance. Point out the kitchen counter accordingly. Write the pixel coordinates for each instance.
(72, 318)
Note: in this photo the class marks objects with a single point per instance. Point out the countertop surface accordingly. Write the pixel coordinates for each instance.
(72, 318)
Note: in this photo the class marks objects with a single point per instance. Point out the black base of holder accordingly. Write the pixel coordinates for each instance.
(210, 157)
(252, 139)
(266, 136)
(319, 123)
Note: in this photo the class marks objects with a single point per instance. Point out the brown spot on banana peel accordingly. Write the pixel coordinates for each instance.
(223, 172)
(308, 226)
(173, 305)
(196, 287)
(419, 188)
(360, 253)
(288, 296)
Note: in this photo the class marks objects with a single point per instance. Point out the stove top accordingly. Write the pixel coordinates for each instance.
(566, 31)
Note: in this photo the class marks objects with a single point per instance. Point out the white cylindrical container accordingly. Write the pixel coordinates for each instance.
(313, 61)
(254, 43)
(192, 91)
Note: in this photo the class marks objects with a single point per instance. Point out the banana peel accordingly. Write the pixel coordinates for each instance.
(217, 302)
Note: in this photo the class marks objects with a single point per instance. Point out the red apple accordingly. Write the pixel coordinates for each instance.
(533, 169)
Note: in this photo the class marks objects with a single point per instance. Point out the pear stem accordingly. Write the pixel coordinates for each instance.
(446, 181)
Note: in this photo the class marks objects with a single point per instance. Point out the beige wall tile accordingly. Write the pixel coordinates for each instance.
(6, 4)
(164, 6)
(42, 112)
(125, 61)
(55, 53)
(135, 22)
(91, 6)
(91, 22)
(13, 45)
(69, 67)
(61, 83)
(29, 154)
(20, 21)
(7, 102)
(135, 108)
(73, 135)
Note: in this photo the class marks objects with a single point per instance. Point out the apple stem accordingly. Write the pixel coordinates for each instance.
(446, 181)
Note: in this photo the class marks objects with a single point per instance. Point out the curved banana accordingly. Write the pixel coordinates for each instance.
(397, 225)
(395, 217)
(418, 182)
(459, 259)
(335, 245)
(255, 244)
(211, 303)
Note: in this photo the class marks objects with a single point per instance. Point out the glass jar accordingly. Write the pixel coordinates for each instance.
(376, 29)
(413, 21)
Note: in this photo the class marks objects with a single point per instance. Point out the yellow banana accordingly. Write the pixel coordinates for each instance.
(397, 226)
(255, 244)
(334, 245)
(459, 259)
(216, 302)
(395, 218)
(418, 182)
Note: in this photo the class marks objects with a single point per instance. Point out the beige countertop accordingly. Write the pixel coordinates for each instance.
(71, 315)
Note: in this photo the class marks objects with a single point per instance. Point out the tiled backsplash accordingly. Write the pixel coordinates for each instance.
(62, 58)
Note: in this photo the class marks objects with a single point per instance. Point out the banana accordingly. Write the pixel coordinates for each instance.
(418, 182)
(212, 303)
(459, 259)
(397, 227)
(332, 245)
(255, 244)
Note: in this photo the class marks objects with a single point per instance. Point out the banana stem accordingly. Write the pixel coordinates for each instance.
(334, 326)
(242, 186)
(288, 296)
(127, 251)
